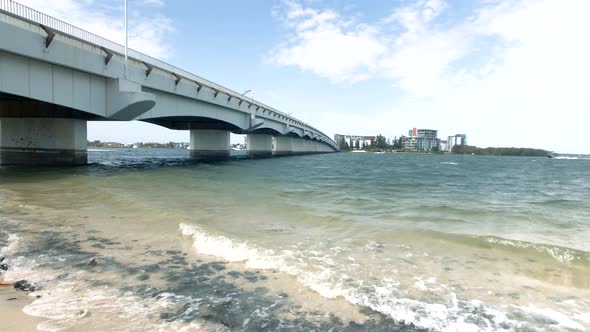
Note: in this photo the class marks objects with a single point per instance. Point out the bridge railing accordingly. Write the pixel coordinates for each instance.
(36, 17)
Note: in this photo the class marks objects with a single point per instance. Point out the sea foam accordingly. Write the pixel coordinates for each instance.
(330, 280)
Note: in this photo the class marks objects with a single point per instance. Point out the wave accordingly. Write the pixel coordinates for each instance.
(560, 254)
(331, 280)
(66, 299)
(67, 306)
(12, 243)
(571, 158)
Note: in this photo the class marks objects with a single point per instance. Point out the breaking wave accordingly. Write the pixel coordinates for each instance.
(324, 275)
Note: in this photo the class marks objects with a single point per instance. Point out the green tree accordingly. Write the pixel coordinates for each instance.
(398, 143)
(343, 146)
(380, 142)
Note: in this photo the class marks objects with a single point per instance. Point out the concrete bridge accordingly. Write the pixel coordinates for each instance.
(55, 77)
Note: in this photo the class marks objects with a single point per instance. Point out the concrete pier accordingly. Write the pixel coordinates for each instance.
(209, 144)
(42, 141)
(259, 145)
(297, 146)
(283, 146)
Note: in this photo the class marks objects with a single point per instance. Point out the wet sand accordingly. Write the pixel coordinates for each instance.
(12, 317)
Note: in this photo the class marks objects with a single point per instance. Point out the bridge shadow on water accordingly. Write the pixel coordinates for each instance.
(109, 162)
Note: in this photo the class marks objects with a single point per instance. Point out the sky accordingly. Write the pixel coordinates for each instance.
(508, 73)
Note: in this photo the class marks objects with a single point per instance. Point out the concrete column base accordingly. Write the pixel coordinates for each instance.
(298, 146)
(259, 145)
(283, 146)
(42, 141)
(209, 144)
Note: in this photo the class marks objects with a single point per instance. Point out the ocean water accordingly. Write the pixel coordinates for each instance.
(150, 240)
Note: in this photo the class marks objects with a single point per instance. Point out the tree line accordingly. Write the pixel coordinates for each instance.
(468, 149)
(383, 144)
(379, 144)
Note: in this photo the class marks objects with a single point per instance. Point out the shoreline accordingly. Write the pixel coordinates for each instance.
(12, 317)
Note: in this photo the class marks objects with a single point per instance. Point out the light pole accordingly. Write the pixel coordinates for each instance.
(251, 92)
(251, 97)
(126, 39)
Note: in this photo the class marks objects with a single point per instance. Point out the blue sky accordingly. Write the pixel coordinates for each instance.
(504, 72)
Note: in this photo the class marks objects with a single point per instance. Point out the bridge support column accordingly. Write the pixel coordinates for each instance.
(297, 145)
(42, 141)
(307, 146)
(283, 145)
(209, 144)
(259, 145)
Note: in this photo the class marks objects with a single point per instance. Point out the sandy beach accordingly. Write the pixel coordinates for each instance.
(12, 318)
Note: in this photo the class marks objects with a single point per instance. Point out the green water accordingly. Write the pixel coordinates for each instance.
(348, 241)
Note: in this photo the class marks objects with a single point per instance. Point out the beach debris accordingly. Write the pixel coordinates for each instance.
(4, 267)
(11, 299)
(24, 286)
(83, 313)
(5, 286)
(2, 259)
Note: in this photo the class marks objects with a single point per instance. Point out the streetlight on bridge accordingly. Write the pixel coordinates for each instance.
(249, 91)
(126, 39)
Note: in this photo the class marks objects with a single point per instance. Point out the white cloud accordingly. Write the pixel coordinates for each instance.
(510, 73)
(326, 44)
(149, 33)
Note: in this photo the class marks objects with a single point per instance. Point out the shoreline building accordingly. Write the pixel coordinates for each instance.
(458, 139)
(354, 141)
(421, 140)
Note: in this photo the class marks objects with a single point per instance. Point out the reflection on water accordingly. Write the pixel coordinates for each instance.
(149, 237)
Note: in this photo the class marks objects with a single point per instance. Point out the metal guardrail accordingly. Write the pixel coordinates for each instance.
(33, 16)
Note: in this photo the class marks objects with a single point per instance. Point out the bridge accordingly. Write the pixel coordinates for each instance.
(54, 77)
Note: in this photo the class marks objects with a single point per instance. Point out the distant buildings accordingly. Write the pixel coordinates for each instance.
(169, 145)
(355, 142)
(459, 139)
(100, 144)
(421, 140)
(239, 147)
(417, 140)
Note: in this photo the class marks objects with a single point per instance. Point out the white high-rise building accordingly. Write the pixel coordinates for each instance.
(459, 139)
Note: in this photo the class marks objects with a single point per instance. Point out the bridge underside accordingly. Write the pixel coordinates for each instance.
(188, 123)
(12, 106)
(34, 132)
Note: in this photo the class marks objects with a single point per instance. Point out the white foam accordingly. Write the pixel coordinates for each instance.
(11, 246)
(562, 255)
(330, 282)
(68, 305)
(571, 158)
(221, 246)
(561, 320)
(320, 273)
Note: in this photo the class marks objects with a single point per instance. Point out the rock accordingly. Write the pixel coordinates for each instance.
(3, 267)
(83, 313)
(24, 286)
(2, 259)
(93, 262)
